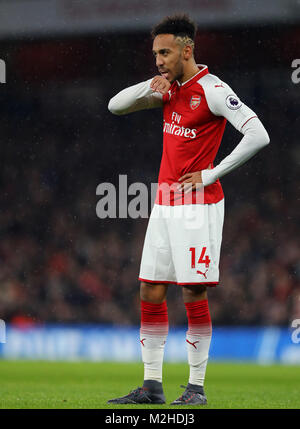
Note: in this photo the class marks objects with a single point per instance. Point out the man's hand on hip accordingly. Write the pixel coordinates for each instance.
(191, 181)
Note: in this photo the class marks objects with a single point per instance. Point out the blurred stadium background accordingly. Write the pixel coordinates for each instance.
(67, 278)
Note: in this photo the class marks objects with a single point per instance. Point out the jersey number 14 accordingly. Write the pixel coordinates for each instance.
(204, 259)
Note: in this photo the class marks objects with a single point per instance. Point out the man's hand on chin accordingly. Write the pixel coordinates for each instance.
(160, 84)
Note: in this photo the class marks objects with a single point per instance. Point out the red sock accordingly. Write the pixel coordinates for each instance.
(199, 321)
(198, 339)
(153, 336)
(154, 318)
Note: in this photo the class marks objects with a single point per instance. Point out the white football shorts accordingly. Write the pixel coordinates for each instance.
(182, 244)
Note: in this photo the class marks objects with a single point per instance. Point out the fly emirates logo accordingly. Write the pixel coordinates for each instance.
(176, 129)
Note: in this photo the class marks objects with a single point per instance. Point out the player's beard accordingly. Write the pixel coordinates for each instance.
(178, 71)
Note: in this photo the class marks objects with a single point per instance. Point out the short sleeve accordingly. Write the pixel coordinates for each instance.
(223, 101)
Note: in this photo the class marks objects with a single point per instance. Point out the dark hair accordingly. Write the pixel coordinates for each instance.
(179, 25)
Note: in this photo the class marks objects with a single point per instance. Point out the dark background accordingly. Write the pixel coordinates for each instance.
(58, 261)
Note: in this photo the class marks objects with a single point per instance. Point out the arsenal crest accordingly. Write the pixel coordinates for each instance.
(195, 101)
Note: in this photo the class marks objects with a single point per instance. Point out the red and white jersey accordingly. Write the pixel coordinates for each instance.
(194, 118)
(195, 115)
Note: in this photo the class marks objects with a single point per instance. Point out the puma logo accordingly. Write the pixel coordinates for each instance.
(142, 342)
(192, 344)
(204, 274)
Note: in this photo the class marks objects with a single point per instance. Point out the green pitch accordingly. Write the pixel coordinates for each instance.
(59, 385)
